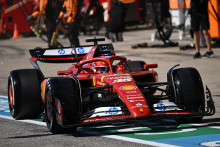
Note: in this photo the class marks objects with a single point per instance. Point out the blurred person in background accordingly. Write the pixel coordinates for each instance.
(200, 20)
(92, 18)
(71, 8)
(50, 9)
(61, 29)
(116, 24)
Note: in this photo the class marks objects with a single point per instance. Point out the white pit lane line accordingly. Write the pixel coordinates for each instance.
(95, 133)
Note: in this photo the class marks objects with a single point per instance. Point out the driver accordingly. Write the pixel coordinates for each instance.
(100, 67)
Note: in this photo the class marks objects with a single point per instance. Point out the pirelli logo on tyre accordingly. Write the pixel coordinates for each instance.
(128, 87)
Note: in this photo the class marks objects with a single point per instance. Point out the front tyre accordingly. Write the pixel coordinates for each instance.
(51, 121)
(62, 105)
(189, 93)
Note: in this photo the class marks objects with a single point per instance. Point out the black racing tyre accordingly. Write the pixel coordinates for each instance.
(24, 94)
(50, 118)
(189, 92)
(66, 91)
(137, 65)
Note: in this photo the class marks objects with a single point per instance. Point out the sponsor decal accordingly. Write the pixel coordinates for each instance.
(128, 87)
(140, 97)
(106, 111)
(57, 52)
(161, 107)
(122, 80)
(96, 119)
(67, 51)
(107, 56)
(166, 106)
(81, 50)
(131, 92)
(139, 106)
(135, 95)
(61, 51)
(178, 113)
(100, 83)
(113, 111)
(116, 76)
(132, 101)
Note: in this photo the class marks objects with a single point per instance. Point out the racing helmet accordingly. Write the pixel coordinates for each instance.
(100, 67)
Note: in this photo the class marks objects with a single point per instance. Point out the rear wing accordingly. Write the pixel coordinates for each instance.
(62, 55)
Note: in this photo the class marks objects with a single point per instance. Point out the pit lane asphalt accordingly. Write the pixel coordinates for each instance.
(14, 55)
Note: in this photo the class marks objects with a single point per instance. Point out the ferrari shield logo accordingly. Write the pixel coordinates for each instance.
(128, 87)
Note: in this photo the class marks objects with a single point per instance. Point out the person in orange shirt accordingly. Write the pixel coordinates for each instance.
(50, 9)
(71, 8)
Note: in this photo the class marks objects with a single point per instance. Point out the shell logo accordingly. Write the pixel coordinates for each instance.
(128, 87)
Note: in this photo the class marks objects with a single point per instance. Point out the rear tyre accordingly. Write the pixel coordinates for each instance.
(62, 105)
(24, 94)
(189, 93)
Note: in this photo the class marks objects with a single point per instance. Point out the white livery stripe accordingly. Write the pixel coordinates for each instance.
(67, 51)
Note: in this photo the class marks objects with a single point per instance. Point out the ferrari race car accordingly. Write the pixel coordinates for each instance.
(101, 88)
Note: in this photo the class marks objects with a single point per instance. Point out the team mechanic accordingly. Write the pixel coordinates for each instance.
(71, 8)
(50, 9)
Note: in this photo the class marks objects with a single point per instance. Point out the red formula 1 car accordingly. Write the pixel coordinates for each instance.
(102, 88)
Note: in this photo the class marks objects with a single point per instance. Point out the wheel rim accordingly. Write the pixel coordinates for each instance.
(48, 109)
(11, 95)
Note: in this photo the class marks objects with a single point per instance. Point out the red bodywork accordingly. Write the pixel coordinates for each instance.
(119, 77)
